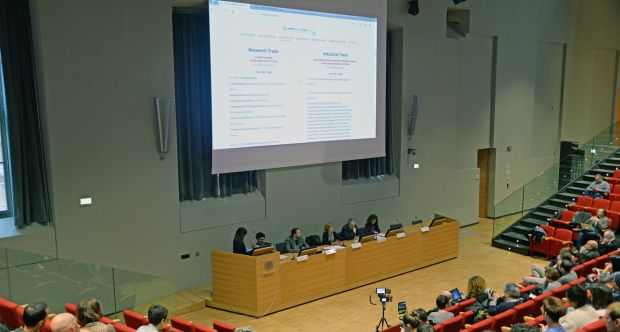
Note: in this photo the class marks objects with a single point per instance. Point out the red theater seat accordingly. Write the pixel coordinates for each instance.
(183, 325)
(223, 327)
(599, 203)
(71, 308)
(561, 238)
(201, 328)
(481, 325)
(122, 328)
(503, 319)
(582, 203)
(541, 247)
(9, 314)
(134, 319)
(565, 219)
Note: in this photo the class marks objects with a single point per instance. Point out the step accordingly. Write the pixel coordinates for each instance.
(609, 166)
(522, 229)
(550, 209)
(604, 172)
(575, 190)
(568, 196)
(515, 237)
(541, 215)
(523, 249)
(582, 183)
(530, 222)
(560, 201)
(613, 160)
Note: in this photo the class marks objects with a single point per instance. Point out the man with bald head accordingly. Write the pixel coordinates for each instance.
(609, 243)
(65, 322)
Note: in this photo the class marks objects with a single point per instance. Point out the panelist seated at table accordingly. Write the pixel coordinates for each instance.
(350, 231)
(330, 236)
(260, 241)
(238, 244)
(295, 242)
(372, 225)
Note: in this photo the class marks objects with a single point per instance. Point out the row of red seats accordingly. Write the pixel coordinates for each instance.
(587, 204)
(11, 315)
(567, 216)
(550, 246)
(134, 320)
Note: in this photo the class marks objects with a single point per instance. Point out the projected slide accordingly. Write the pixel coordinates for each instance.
(287, 76)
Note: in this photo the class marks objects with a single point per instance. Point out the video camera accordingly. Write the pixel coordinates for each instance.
(384, 294)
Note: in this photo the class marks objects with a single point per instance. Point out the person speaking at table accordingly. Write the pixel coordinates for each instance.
(295, 242)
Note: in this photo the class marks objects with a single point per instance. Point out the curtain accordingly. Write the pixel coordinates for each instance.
(371, 167)
(27, 161)
(192, 75)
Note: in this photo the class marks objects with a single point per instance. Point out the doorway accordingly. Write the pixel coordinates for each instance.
(484, 158)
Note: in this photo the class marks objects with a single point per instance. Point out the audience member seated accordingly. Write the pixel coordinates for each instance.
(552, 310)
(439, 316)
(372, 225)
(601, 297)
(593, 228)
(598, 188)
(566, 271)
(34, 317)
(508, 300)
(609, 243)
(260, 241)
(538, 272)
(88, 315)
(410, 323)
(582, 314)
(588, 252)
(612, 317)
(238, 244)
(421, 314)
(329, 235)
(295, 242)
(611, 270)
(477, 289)
(552, 277)
(350, 231)
(158, 317)
(65, 322)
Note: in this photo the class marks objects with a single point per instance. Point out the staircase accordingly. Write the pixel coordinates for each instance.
(514, 238)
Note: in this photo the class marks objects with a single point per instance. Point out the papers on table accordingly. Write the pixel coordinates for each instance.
(335, 247)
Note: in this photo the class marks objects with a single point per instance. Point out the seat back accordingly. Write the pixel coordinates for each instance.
(567, 215)
(584, 201)
(223, 327)
(122, 328)
(481, 325)
(600, 261)
(588, 266)
(313, 240)
(579, 270)
(523, 309)
(563, 234)
(281, 247)
(202, 328)
(453, 309)
(395, 328)
(600, 203)
(47, 326)
(181, 324)
(503, 319)
(598, 326)
(453, 324)
(615, 205)
(550, 230)
(581, 280)
(9, 314)
(464, 304)
(134, 319)
(538, 300)
(560, 292)
(616, 174)
(71, 308)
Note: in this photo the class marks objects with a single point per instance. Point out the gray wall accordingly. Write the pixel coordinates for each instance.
(101, 62)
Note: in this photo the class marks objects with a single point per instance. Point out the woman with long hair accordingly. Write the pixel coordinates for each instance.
(238, 244)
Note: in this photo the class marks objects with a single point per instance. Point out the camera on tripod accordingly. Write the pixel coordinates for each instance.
(384, 294)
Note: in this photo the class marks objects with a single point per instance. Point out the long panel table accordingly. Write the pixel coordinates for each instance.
(260, 285)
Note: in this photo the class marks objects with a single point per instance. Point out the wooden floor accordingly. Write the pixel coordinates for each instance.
(351, 311)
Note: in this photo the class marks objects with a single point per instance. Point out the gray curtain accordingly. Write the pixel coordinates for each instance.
(27, 168)
(371, 167)
(193, 102)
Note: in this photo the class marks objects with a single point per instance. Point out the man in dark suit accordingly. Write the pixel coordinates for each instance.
(609, 243)
(350, 231)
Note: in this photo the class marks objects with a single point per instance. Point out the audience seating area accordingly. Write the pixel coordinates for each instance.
(11, 313)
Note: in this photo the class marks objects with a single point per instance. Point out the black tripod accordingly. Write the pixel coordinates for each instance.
(382, 322)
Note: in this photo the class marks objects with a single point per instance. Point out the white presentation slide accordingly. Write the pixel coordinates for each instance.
(288, 76)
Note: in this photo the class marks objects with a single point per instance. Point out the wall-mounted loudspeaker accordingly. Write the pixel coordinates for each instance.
(413, 115)
(414, 8)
